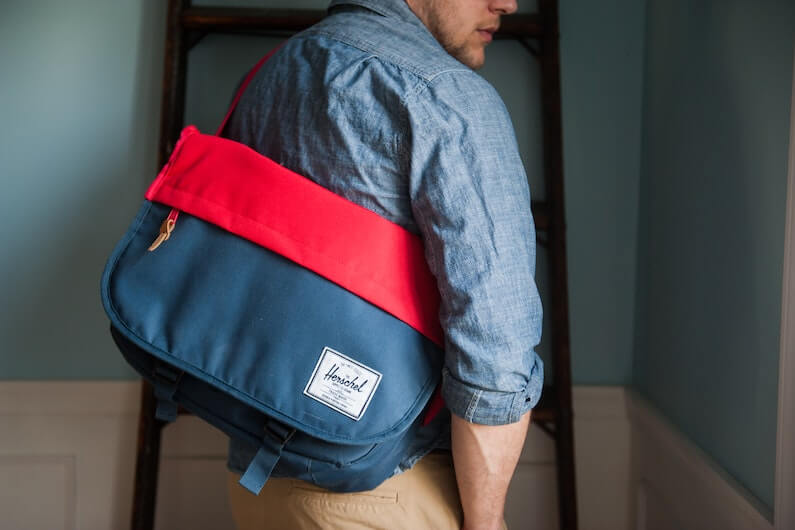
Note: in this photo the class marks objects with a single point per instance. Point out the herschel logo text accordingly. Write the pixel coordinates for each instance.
(332, 376)
(342, 383)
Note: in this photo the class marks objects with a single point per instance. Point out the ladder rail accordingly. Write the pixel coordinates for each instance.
(549, 55)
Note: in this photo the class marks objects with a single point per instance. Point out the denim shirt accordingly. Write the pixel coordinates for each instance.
(369, 105)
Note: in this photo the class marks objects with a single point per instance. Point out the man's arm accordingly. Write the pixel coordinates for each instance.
(471, 201)
(485, 457)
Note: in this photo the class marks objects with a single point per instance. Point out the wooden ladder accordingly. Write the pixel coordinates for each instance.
(538, 32)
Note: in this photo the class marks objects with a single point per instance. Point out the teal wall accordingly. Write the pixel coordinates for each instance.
(601, 86)
(712, 211)
(80, 100)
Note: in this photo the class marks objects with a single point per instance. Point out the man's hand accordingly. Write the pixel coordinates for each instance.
(485, 457)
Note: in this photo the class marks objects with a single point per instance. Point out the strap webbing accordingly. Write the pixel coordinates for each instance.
(243, 87)
(259, 470)
(166, 382)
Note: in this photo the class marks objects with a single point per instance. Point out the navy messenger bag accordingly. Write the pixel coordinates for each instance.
(279, 312)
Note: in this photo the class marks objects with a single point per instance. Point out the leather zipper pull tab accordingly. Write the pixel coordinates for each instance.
(165, 229)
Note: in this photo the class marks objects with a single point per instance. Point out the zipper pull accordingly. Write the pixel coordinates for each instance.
(165, 229)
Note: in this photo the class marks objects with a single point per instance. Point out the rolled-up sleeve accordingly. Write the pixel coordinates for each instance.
(471, 202)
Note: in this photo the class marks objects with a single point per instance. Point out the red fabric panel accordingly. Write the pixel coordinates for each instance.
(236, 188)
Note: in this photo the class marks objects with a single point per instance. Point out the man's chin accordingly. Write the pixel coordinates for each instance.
(472, 56)
(476, 61)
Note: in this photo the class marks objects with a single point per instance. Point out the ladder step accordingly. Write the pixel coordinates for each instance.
(252, 19)
(248, 19)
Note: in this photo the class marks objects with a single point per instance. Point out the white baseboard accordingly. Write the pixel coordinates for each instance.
(676, 486)
(67, 453)
(602, 451)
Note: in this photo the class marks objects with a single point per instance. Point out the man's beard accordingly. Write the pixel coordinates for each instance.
(460, 51)
(465, 55)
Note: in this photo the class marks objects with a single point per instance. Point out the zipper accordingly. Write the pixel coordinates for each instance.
(165, 229)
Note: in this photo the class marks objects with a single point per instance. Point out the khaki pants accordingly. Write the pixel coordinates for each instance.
(424, 497)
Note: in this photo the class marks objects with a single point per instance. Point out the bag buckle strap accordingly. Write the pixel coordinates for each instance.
(259, 470)
(166, 381)
(279, 432)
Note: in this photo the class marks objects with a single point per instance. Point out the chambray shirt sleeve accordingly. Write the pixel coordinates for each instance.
(471, 202)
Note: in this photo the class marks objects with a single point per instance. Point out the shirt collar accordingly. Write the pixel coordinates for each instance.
(389, 8)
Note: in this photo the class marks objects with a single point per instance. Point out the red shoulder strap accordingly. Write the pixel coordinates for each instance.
(243, 87)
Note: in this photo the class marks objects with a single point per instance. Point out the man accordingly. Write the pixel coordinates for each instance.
(380, 104)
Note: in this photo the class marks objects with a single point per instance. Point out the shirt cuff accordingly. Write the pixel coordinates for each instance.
(492, 407)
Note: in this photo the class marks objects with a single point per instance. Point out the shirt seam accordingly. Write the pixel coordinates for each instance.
(473, 404)
(365, 47)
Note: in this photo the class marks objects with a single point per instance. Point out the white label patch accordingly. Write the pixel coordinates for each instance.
(343, 384)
